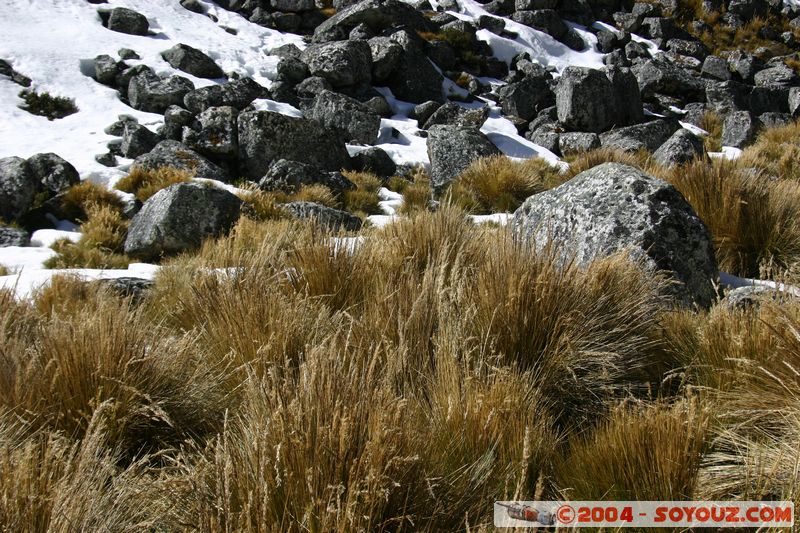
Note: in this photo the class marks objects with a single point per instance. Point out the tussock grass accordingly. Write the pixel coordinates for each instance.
(586, 160)
(498, 184)
(81, 197)
(775, 153)
(289, 378)
(417, 194)
(144, 182)
(642, 452)
(101, 245)
(712, 123)
(4, 270)
(363, 200)
(752, 219)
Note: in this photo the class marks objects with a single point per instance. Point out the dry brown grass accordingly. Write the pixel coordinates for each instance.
(101, 245)
(775, 153)
(417, 194)
(4, 271)
(712, 123)
(79, 198)
(144, 182)
(364, 199)
(498, 184)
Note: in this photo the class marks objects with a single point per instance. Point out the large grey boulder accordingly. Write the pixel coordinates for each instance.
(377, 15)
(18, 188)
(525, 98)
(193, 61)
(265, 137)
(456, 115)
(681, 148)
(659, 75)
(415, 78)
(386, 55)
(148, 92)
(334, 219)
(628, 99)
(452, 149)
(646, 136)
(10, 236)
(178, 218)
(613, 208)
(128, 21)
(343, 64)
(739, 129)
(289, 176)
(780, 75)
(375, 160)
(585, 100)
(52, 172)
(218, 135)
(239, 94)
(576, 142)
(354, 120)
(174, 154)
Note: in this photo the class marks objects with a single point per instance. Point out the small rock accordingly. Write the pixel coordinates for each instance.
(218, 135)
(17, 188)
(739, 129)
(53, 173)
(137, 140)
(355, 121)
(193, 61)
(577, 142)
(375, 160)
(681, 148)
(585, 100)
(289, 176)
(238, 93)
(148, 92)
(10, 236)
(128, 21)
(646, 136)
(174, 154)
(334, 219)
(343, 64)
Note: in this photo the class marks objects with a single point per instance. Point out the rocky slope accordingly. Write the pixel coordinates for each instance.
(255, 91)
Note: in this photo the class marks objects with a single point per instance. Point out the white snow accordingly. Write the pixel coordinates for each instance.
(501, 219)
(54, 42)
(734, 282)
(46, 237)
(541, 47)
(26, 282)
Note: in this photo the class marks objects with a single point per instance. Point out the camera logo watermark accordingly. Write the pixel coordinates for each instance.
(715, 514)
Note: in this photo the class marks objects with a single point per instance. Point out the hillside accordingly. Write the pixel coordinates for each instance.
(288, 265)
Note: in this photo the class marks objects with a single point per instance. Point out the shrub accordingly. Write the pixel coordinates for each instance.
(46, 105)
(499, 184)
(145, 182)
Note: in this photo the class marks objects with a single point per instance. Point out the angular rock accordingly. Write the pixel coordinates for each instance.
(659, 75)
(628, 99)
(17, 188)
(576, 142)
(265, 137)
(292, 5)
(334, 219)
(343, 64)
(774, 120)
(794, 101)
(179, 218)
(525, 98)
(613, 207)
(416, 80)
(53, 173)
(455, 115)
(545, 20)
(174, 154)
(386, 56)
(148, 92)
(355, 121)
(238, 93)
(218, 135)
(10, 236)
(292, 70)
(106, 69)
(727, 96)
(137, 140)
(175, 119)
(129, 287)
(289, 176)
(681, 148)
(585, 100)
(375, 160)
(646, 136)
(778, 75)
(452, 149)
(715, 68)
(128, 21)
(769, 99)
(193, 61)
(739, 129)
(378, 15)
